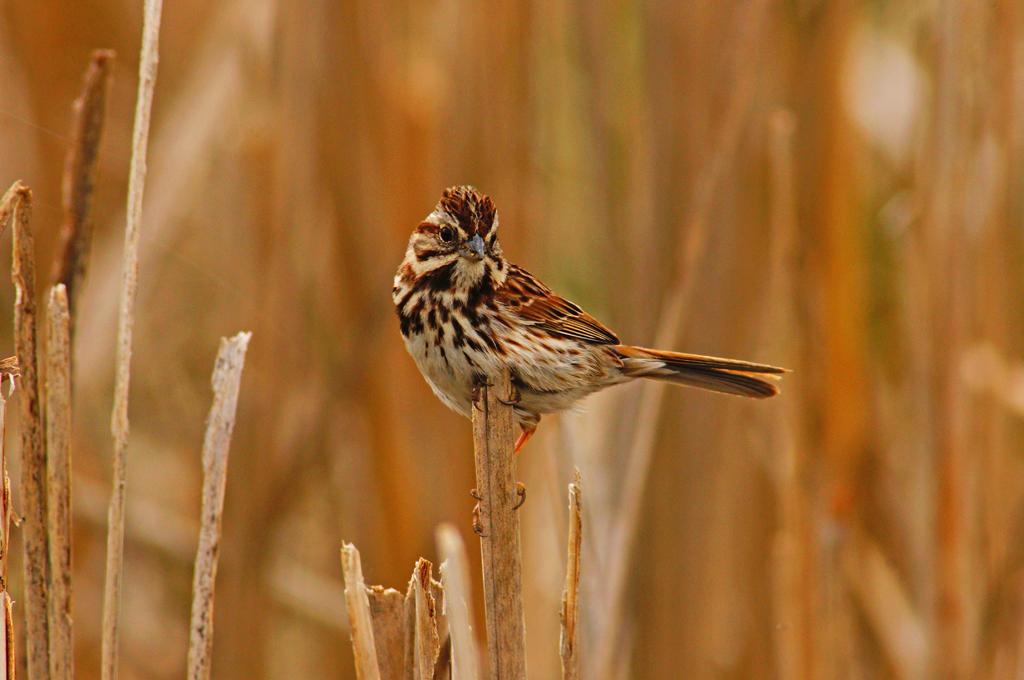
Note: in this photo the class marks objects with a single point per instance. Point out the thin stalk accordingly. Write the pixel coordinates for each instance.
(946, 229)
(570, 595)
(126, 323)
(793, 548)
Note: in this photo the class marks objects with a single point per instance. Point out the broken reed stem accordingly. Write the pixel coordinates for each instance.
(425, 642)
(493, 441)
(360, 623)
(570, 595)
(33, 454)
(458, 603)
(126, 322)
(80, 177)
(227, 376)
(7, 647)
(58, 478)
(387, 613)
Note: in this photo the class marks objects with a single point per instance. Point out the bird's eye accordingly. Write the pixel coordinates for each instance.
(447, 234)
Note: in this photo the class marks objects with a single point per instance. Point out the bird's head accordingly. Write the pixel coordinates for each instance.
(459, 240)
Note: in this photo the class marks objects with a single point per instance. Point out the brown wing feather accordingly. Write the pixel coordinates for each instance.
(534, 302)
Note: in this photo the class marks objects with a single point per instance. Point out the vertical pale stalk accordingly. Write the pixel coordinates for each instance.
(493, 441)
(227, 376)
(459, 607)
(793, 549)
(126, 323)
(359, 621)
(570, 595)
(58, 478)
(33, 464)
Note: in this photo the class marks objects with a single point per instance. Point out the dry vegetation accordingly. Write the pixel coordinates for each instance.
(831, 186)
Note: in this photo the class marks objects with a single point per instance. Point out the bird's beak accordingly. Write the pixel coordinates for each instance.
(476, 246)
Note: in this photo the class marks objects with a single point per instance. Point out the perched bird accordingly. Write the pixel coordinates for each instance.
(466, 312)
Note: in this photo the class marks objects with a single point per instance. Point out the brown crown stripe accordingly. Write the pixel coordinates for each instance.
(472, 210)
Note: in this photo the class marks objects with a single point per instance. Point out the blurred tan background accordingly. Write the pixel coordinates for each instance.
(833, 186)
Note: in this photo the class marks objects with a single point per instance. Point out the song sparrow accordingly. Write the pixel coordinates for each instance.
(466, 312)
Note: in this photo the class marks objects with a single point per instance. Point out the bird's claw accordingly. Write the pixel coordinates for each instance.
(478, 527)
(514, 397)
(475, 393)
(521, 494)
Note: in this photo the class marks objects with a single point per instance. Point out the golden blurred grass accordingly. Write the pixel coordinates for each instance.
(866, 525)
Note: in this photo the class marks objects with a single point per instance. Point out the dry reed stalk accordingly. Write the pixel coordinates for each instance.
(359, 621)
(80, 177)
(493, 440)
(570, 595)
(423, 644)
(33, 453)
(7, 644)
(676, 302)
(458, 605)
(126, 323)
(953, 643)
(993, 269)
(793, 548)
(58, 478)
(227, 377)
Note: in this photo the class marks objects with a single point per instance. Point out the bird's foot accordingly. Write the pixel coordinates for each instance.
(521, 494)
(478, 527)
(514, 397)
(476, 392)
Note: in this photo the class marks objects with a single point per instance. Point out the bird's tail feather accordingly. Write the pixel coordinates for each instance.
(710, 373)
